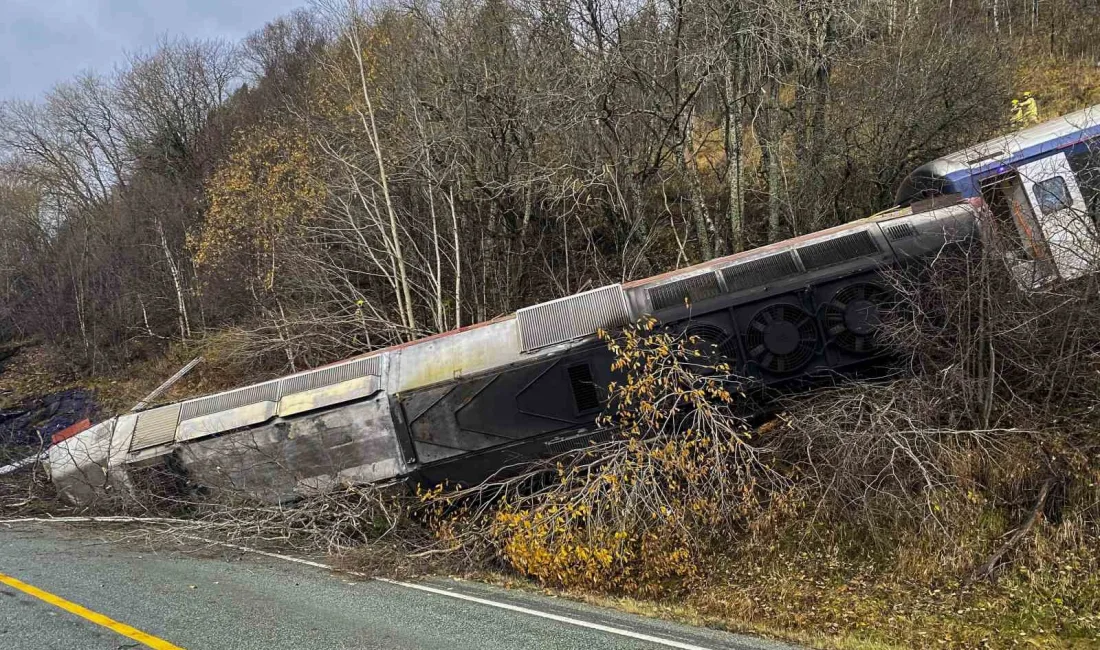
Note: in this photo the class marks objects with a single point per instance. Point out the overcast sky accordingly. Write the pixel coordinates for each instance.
(43, 42)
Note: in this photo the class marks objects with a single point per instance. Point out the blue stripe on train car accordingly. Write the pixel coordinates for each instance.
(968, 181)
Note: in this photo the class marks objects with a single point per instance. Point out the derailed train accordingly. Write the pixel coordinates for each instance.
(460, 405)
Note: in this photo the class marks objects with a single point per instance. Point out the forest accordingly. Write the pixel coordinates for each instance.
(355, 175)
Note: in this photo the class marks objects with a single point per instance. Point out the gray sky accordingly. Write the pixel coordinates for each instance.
(43, 42)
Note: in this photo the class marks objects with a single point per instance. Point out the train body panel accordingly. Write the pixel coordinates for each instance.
(287, 457)
(79, 465)
(461, 405)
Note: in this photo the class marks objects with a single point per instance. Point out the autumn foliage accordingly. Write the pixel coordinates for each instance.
(640, 513)
(360, 174)
(956, 507)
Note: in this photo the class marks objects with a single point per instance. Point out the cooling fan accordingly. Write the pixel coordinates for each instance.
(711, 341)
(781, 338)
(852, 316)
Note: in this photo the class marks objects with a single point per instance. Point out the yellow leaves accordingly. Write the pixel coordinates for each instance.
(258, 198)
(566, 552)
(637, 522)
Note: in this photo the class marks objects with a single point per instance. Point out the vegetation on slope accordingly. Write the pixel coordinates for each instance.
(353, 176)
(957, 507)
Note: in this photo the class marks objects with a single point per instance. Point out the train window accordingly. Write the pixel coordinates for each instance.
(585, 394)
(1052, 194)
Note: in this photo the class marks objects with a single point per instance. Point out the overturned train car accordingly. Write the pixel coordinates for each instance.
(461, 405)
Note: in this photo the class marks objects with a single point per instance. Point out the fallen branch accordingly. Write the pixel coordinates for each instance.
(106, 519)
(987, 569)
(26, 462)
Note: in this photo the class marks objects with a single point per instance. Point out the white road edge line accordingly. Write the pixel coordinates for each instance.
(669, 643)
(553, 617)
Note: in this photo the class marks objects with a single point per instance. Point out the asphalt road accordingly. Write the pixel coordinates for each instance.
(243, 601)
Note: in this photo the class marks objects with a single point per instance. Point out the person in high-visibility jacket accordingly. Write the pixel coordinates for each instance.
(1017, 113)
(1029, 109)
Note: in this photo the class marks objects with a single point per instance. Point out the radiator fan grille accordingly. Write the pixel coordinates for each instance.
(852, 316)
(711, 341)
(781, 338)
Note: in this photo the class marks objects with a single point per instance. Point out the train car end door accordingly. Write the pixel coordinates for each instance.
(1056, 199)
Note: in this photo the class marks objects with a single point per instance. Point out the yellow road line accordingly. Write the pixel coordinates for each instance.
(85, 613)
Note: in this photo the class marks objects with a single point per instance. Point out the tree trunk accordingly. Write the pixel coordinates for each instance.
(703, 225)
(458, 260)
(771, 136)
(734, 131)
(177, 281)
(371, 129)
(437, 278)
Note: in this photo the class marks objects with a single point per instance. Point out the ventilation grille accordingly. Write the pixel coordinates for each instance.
(331, 375)
(837, 251)
(759, 271)
(585, 393)
(573, 443)
(694, 289)
(900, 231)
(268, 392)
(851, 317)
(155, 427)
(569, 318)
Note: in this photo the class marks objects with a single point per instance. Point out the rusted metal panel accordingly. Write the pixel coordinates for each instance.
(572, 317)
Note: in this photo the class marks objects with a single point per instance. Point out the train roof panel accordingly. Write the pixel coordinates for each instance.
(1014, 147)
(1053, 134)
(950, 172)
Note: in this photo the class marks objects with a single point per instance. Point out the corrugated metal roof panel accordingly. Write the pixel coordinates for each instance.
(693, 289)
(572, 317)
(266, 392)
(155, 427)
(760, 271)
(837, 250)
(331, 375)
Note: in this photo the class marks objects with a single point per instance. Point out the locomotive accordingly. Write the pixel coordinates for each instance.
(461, 405)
